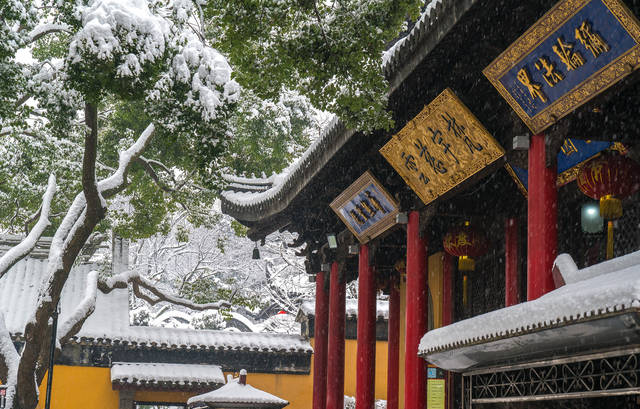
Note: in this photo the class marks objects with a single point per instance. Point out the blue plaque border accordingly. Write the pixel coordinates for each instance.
(598, 82)
(381, 225)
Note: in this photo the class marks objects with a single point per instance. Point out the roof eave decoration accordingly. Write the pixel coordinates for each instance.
(599, 307)
(436, 21)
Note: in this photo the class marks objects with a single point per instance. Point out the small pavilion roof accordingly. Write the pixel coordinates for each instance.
(237, 395)
(571, 316)
(158, 376)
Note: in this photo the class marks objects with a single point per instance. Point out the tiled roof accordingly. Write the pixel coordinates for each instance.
(19, 290)
(109, 323)
(165, 376)
(607, 288)
(436, 20)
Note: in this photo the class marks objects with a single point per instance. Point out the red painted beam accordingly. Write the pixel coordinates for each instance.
(511, 277)
(335, 358)
(542, 241)
(416, 315)
(393, 355)
(321, 324)
(366, 353)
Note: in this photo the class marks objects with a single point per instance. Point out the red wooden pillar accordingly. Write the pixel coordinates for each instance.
(416, 316)
(335, 358)
(511, 281)
(366, 354)
(320, 343)
(542, 242)
(393, 355)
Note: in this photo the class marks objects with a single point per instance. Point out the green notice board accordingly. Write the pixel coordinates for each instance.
(435, 394)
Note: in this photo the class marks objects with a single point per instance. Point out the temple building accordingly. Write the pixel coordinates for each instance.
(500, 215)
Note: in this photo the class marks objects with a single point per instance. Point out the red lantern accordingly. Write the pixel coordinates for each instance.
(466, 243)
(609, 178)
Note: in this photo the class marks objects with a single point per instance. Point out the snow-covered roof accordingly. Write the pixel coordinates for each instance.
(238, 394)
(308, 308)
(109, 323)
(162, 376)
(19, 290)
(609, 287)
(438, 17)
(178, 338)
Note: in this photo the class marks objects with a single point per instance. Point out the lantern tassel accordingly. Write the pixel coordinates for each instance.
(466, 263)
(610, 207)
(609, 240)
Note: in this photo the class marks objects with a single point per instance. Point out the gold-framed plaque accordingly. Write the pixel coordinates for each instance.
(366, 208)
(444, 145)
(574, 52)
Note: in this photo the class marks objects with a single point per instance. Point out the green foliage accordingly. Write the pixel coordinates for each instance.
(239, 229)
(268, 135)
(328, 51)
(51, 46)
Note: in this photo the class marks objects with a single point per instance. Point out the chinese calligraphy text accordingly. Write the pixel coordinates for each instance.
(441, 147)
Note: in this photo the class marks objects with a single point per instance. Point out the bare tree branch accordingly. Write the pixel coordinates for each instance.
(44, 29)
(20, 251)
(141, 284)
(73, 232)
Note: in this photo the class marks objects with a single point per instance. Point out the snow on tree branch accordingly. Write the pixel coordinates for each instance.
(9, 359)
(44, 29)
(140, 284)
(20, 251)
(126, 30)
(110, 186)
(66, 244)
(73, 323)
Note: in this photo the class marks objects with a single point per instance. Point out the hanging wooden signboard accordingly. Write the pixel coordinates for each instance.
(443, 146)
(366, 208)
(574, 52)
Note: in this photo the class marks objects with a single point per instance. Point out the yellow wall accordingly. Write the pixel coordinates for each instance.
(77, 387)
(85, 387)
(350, 352)
(80, 388)
(436, 273)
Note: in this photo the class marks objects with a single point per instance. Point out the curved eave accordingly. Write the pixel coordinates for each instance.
(565, 338)
(438, 19)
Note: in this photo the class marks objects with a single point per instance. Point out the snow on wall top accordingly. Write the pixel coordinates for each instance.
(235, 392)
(155, 374)
(109, 323)
(308, 308)
(617, 288)
(179, 338)
(253, 206)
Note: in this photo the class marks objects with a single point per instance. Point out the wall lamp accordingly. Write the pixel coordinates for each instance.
(332, 240)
